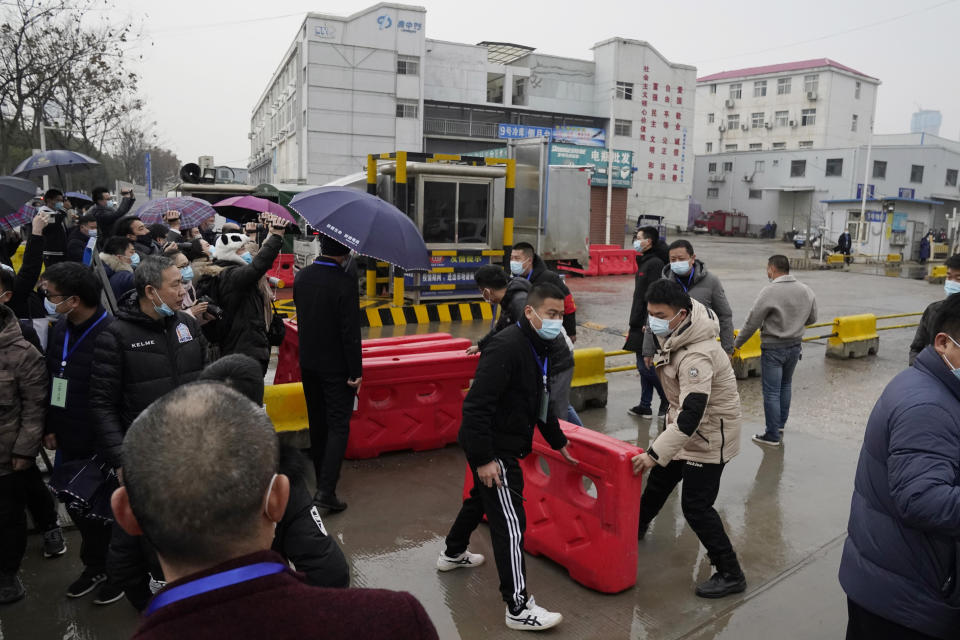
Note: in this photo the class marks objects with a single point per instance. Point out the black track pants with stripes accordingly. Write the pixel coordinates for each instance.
(503, 507)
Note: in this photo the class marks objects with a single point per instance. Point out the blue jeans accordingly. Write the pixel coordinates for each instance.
(776, 372)
(572, 416)
(648, 382)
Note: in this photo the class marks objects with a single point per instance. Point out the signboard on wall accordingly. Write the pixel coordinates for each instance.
(876, 216)
(512, 131)
(585, 136)
(870, 190)
(579, 156)
(907, 193)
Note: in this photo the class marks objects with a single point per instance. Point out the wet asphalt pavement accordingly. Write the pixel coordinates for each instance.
(785, 509)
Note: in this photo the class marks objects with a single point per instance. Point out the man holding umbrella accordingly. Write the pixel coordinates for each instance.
(328, 310)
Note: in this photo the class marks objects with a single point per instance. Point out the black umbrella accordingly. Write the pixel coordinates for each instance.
(14, 193)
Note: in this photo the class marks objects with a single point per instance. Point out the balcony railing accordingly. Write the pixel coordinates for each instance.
(460, 128)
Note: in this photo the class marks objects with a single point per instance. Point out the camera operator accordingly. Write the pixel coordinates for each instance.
(107, 212)
(55, 233)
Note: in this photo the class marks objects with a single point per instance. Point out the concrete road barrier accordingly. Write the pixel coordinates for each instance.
(746, 359)
(589, 386)
(855, 337)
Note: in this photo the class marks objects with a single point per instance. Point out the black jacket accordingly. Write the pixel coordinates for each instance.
(539, 274)
(76, 243)
(73, 425)
(328, 314)
(925, 335)
(25, 301)
(511, 307)
(503, 403)
(54, 243)
(30, 334)
(243, 304)
(136, 360)
(649, 268)
(120, 281)
(106, 217)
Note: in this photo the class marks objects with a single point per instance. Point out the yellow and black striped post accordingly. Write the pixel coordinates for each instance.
(402, 202)
(372, 190)
(508, 205)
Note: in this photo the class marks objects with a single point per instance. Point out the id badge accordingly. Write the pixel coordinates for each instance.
(58, 393)
(544, 405)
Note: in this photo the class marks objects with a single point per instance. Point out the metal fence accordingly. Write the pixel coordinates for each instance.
(444, 127)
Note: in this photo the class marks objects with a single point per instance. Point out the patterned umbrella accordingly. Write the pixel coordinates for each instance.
(14, 193)
(18, 218)
(244, 208)
(193, 211)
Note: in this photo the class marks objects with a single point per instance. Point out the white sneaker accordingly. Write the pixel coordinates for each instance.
(464, 560)
(533, 618)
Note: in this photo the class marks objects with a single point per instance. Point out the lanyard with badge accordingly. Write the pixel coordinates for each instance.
(58, 387)
(545, 396)
(214, 582)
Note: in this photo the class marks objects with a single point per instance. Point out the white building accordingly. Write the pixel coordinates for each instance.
(372, 82)
(811, 104)
(813, 188)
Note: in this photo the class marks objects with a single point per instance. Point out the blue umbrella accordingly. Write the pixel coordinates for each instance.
(53, 162)
(76, 195)
(365, 223)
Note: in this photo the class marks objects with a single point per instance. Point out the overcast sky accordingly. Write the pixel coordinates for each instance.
(205, 63)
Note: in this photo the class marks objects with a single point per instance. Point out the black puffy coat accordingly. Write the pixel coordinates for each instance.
(649, 268)
(73, 425)
(503, 403)
(539, 274)
(107, 217)
(243, 304)
(511, 307)
(136, 360)
(26, 302)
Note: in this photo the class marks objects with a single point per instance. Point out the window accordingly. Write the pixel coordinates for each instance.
(779, 145)
(735, 90)
(520, 90)
(856, 90)
(951, 177)
(758, 166)
(713, 193)
(408, 66)
(495, 87)
(733, 121)
(712, 167)
(805, 144)
(407, 109)
(728, 167)
(853, 122)
(624, 91)
(808, 117)
(709, 147)
(783, 86)
(798, 168)
(756, 194)
(756, 146)
(834, 167)
(810, 83)
(781, 118)
(730, 147)
(756, 120)
(916, 173)
(623, 127)
(455, 213)
(880, 169)
(710, 118)
(760, 89)
(713, 89)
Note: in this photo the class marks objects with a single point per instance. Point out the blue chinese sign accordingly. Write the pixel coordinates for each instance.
(906, 193)
(578, 156)
(860, 191)
(899, 222)
(511, 131)
(876, 216)
(585, 136)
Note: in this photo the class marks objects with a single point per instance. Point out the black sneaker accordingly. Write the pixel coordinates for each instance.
(87, 582)
(640, 411)
(761, 438)
(329, 502)
(53, 543)
(720, 585)
(108, 594)
(11, 589)
(662, 411)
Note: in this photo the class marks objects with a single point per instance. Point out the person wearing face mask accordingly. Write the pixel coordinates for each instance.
(510, 395)
(21, 296)
(55, 234)
(651, 258)
(190, 304)
(703, 428)
(134, 230)
(899, 564)
(781, 313)
(79, 238)
(119, 259)
(704, 287)
(924, 335)
(107, 212)
(525, 263)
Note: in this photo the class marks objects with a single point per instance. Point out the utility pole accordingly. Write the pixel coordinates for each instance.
(43, 147)
(610, 130)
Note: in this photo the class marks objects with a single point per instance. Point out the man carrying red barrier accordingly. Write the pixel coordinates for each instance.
(703, 427)
(510, 394)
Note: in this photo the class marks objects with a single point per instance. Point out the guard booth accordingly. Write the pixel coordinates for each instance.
(463, 207)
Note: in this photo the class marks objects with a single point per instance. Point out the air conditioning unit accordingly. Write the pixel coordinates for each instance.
(768, 125)
(745, 127)
(716, 177)
(722, 128)
(811, 95)
(793, 123)
(728, 103)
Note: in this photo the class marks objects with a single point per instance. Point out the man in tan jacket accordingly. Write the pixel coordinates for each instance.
(703, 427)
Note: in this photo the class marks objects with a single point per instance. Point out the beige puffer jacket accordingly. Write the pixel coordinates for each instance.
(692, 361)
(23, 393)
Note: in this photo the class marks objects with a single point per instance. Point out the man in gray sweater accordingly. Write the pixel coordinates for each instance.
(781, 313)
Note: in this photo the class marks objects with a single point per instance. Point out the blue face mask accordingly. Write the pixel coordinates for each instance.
(247, 257)
(58, 206)
(91, 233)
(661, 326)
(51, 308)
(680, 268)
(135, 260)
(638, 245)
(516, 268)
(186, 274)
(950, 287)
(164, 309)
(549, 328)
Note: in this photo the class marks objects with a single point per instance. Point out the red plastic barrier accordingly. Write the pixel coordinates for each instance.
(282, 270)
(418, 337)
(612, 260)
(427, 346)
(592, 532)
(410, 402)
